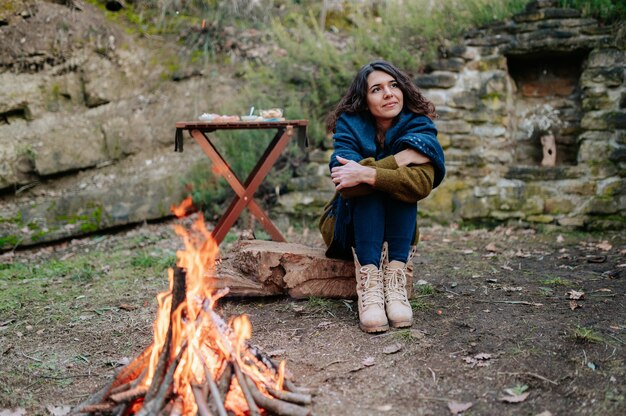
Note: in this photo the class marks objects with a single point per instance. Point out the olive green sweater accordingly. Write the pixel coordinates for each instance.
(404, 183)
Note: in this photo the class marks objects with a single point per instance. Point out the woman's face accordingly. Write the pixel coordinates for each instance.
(384, 97)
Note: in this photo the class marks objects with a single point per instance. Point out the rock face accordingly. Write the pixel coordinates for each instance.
(87, 124)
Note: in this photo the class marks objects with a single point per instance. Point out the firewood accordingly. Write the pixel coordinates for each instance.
(269, 268)
(94, 399)
(200, 397)
(152, 407)
(119, 389)
(278, 407)
(97, 408)
(288, 396)
(216, 394)
(133, 370)
(253, 410)
(288, 384)
(129, 395)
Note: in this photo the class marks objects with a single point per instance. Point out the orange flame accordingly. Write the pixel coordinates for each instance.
(209, 341)
(182, 209)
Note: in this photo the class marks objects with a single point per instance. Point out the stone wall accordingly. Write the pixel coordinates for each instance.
(546, 62)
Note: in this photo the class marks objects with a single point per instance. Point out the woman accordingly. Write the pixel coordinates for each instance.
(386, 158)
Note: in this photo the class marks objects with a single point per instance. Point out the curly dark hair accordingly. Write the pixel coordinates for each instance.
(355, 99)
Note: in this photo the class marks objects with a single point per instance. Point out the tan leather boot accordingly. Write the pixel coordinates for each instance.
(369, 289)
(399, 312)
(408, 272)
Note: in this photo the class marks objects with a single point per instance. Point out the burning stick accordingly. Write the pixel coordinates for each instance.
(129, 395)
(247, 392)
(276, 406)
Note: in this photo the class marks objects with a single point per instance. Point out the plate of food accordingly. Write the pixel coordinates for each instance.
(273, 114)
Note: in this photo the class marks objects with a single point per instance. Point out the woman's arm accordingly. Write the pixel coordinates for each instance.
(409, 157)
(351, 173)
(404, 183)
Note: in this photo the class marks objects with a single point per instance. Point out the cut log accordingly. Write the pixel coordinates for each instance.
(268, 268)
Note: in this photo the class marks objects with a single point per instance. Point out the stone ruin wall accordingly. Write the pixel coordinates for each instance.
(490, 88)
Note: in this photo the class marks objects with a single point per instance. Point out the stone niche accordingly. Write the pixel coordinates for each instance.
(546, 102)
(545, 80)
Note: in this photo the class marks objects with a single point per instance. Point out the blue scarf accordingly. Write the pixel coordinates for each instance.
(355, 139)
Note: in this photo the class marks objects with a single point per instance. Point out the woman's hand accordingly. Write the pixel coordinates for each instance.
(351, 174)
(408, 157)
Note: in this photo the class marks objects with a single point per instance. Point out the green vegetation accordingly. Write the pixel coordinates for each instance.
(587, 335)
(426, 290)
(158, 262)
(606, 10)
(419, 305)
(556, 281)
(93, 280)
(407, 335)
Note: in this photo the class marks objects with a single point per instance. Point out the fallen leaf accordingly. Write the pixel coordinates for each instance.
(59, 410)
(604, 246)
(576, 295)
(18, 411)
(384, 408)
(515, 398)
(492, 247)
(368, 362)
(573, 304)
(520, 253)
(456, 407)
(479, 360)
(123, 361)
(127, 307)
(299, 309)
(392, 349)
(596, 259)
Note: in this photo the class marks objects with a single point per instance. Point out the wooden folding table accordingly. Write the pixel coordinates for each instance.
(244, 192)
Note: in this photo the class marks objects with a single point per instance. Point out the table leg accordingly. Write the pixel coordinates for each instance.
(245, 193)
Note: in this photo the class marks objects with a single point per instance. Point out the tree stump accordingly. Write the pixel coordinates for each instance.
(268, 268)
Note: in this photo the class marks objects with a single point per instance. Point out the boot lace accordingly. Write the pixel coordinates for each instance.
(395, 283)
(374, 294)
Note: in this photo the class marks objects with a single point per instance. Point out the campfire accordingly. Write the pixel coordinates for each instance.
(198, 363)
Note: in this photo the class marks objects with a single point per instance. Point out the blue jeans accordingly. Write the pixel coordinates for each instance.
(377, 218)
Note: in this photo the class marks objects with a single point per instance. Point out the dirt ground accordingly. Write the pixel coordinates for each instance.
(497, 328)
